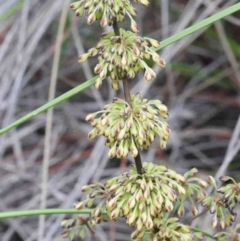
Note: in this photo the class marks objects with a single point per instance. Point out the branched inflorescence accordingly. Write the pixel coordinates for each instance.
(130, 128)
(195, 192)
(148, 193)
(107, 11)
(123, 56)
(142, 200)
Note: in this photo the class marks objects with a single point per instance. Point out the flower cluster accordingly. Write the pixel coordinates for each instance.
(233, 234)
(74, 228)
(170, 229)
(98, 192)
(141, 199)
(217, 207)
(107, 11)
(231, 192)
(130, 128)
(123, 56)
(220, 205)
(195, 187)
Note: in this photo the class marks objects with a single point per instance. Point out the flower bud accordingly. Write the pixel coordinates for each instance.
(115, 85)
(86, 188)
(134, 26)
(149, 223)
(98, 83)
(97, 212)
(214, 222)
(131, 220)
(153, 42)
(65, 234)
(195, 211)
(79, 205)
(115, 214)
(131, 203)
(111, 204)
(161, 63)
(83, 57)
(181, 211)
(144, 2)
(79, 12)
(104, 21)
(91, 18)
(92, 134)
(143, 217)
(74, 6)
(90, 202)
(226, 179)
(212, 181)
(139, 225)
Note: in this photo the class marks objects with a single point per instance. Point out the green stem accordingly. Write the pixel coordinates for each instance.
(197, 230)
(230, 10)
(116, 29)
(37, 212)
(204, 23)
(50, 104)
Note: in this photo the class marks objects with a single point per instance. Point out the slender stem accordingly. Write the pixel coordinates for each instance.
(116, 29)
(138, 162)
(37, 212)
(126, 90)
(204, 23)
(197, 230)
(127, 95)
(50, 104)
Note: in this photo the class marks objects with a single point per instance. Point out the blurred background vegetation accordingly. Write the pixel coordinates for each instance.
(200, 85)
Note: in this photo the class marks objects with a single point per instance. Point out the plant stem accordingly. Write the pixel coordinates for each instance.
(50, 104)
(138, 162)
(197, 230)
(127, 95)
(116, 29)
(202, 24)
(37, 212)
(127, 91)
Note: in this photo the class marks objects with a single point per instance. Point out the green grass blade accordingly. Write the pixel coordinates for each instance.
(14, 9)
(37, 212)
(184, 33)
(50, 104)
(164, 43)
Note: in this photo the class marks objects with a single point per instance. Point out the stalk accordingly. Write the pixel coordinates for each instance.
(127, 96)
